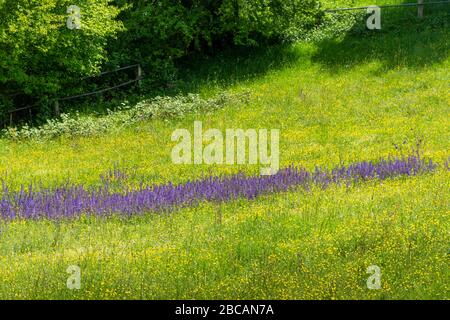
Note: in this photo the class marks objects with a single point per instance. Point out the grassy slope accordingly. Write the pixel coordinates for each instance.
(337, 101)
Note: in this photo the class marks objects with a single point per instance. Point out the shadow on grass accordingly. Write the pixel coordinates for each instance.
(404, 41)
(237, 65)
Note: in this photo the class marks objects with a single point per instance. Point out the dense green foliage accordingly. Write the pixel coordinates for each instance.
(253, 20)
(39, 54)
(160, 32)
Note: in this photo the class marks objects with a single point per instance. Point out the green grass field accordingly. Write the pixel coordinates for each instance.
(337, 101)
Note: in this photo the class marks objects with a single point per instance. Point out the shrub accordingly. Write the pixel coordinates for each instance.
(160, 32)
(157, 108)
(252, 21)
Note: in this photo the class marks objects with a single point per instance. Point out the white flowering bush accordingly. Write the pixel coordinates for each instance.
(157, 108)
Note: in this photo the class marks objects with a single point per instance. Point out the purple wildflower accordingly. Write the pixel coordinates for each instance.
(73, 201)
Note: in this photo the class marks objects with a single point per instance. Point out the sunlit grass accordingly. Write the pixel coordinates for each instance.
(334, 103)
(336, 117)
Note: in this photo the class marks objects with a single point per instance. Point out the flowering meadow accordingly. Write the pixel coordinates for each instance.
(364, 152)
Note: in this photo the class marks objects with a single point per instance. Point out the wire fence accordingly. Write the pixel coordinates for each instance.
(398, 5)
(56, 109)
(389, 17)
(138, 78)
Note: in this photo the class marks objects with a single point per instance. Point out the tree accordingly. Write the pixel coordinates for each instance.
(39, 53)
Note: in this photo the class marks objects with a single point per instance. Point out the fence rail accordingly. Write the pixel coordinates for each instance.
(390, 6)
(137, 65)
(138, 78)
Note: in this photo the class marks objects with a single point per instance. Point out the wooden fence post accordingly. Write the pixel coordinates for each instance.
(56, 109)
(420, 8)
(139, 74)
